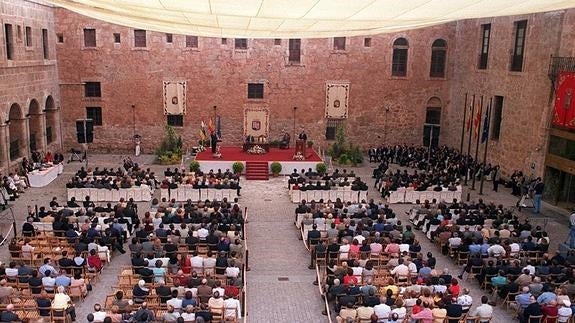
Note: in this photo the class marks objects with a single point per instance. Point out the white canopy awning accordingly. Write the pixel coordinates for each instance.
(297, 18)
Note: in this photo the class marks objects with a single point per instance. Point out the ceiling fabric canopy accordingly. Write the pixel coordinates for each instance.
(297, 18)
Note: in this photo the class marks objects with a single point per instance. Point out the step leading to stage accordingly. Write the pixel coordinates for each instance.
(257, 170)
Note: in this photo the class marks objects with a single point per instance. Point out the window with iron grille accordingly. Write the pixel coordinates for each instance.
(89, 37)
(45, 45)
(519, 46)
(295, 51)
(367, 42)
(438, 57)
(94, 113)
(169, 38)
(192, 41)
(92, 90)
(9, 41)
(331, 128)
(117, 38)
(139, 38)
(175, 120)
(28, 36)
(339, 43)
(60, 37)
(399, 59)
(255, 91)
(497, 117)
(484, 54)
(277, 41)
(241, 43)
(224, 41)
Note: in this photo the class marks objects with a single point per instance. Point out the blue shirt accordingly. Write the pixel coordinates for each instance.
(546, 297)
(498, 280)
(63, 281)
(475, 248)
(523, 299)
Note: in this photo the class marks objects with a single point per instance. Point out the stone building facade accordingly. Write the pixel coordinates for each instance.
(29, 91)
(398, 92)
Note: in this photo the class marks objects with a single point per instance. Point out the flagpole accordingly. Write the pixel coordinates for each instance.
(477, 142)
(469, 143)
(463, 125)
(488, 124)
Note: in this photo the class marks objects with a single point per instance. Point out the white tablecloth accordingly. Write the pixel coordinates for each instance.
(344, 195)
(411, 196)
(188, 192)
(139, 194)
(41, 178)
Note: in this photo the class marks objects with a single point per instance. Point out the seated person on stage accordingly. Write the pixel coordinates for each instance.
(249, 139)
(284, 143)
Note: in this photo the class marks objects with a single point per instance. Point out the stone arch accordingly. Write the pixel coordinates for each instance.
(51, 117)
(36, 126)
(17, 132)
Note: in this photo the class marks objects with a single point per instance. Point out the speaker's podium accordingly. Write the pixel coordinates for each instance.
(300, 147)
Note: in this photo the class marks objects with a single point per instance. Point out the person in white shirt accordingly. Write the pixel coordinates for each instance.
(483, 311)
(454, 241)
(203, 233)
(232, 271)
(529, 267)
(175, 301)
(209, 264)
(197, 262)
(465, 300)
(564, 312)
(99, 313)
(400, 270)
(515, 248)
(48, 282)
(188, 314)
(232, 308)
(344, 249)
(382, 310)
(496, 250)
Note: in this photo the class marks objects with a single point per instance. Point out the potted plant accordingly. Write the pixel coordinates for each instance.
(276, 168)
(238, 167)
(194, 166)
(309, 144)
(321, 168)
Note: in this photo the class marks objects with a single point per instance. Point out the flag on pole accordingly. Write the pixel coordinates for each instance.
(219, 127)
(203, 134)
(477, 123)
(485, 134)
(470, 117)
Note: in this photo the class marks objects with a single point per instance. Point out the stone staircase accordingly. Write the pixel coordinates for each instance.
(256, 170)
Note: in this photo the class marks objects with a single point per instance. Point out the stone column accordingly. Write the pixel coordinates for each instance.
(25, 135)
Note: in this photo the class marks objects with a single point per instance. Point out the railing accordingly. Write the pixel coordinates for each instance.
(558, 65)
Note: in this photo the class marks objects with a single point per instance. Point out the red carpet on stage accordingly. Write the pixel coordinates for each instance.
(275, 154)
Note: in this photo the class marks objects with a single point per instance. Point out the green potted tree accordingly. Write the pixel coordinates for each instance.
(238, 167)
(321, 168)
(309, 144)
(194, 166)
(276, 168)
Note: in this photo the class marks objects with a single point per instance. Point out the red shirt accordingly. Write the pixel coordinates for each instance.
(95, 262)
(347, 279)
(548, 310)
(416, 309)
(454, 290)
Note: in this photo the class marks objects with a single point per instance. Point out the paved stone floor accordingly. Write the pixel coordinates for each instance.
(275, 250)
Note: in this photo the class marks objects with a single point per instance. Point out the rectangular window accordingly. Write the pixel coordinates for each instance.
(89, 37)
(92, 90)
(339, 43)
(14, 149)
(519, 47)
(49, 137)
(367, 42)
(45, 45)
(60, 37)
(19, 32)
(9, 39)
(295, 51)
(484, 54)
(169, 38)
(175, 120)
(139, 38)
(255, 91)
(117, 38)
(331, 128)
(277, 41)
(497, 116)
(192, 41)
(224, 41)
(241, 43)
(28, 36)
(399, 62)
(94, 113)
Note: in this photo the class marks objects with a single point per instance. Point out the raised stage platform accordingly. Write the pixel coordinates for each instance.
(233, 154)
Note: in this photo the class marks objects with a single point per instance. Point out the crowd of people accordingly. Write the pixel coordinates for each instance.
(105, 178)
(312, 180)
(212, 179)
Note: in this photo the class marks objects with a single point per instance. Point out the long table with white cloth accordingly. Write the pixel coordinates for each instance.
(344, 195)
(139, 194)
(188, 192)
(41, 178)
(403, 195)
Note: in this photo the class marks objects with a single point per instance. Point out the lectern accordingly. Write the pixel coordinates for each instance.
(300, 147)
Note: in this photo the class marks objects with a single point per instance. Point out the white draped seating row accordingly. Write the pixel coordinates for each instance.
(184, 193)
(344, 195)
(139, 194)
(410, 196)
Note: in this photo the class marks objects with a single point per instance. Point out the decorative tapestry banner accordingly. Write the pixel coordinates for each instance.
(256, 122)
(336, 100)
(174, 97)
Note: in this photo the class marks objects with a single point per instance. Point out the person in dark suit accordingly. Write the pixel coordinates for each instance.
(164, 292)
(454, 310)
(8, 315)
(44, 304)
(302, 136)
(214, 141)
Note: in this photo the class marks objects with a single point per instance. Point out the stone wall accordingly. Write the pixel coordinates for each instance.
(217, 75)
(28, 80)
(527, 94)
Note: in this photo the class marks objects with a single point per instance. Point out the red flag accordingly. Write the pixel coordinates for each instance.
(211, 125)
(477, 123)
(470, 118)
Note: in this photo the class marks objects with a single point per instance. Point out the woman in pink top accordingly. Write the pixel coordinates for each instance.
(354, 249)
(425, 316)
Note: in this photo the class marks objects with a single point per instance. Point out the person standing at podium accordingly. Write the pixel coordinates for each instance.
(302, 136)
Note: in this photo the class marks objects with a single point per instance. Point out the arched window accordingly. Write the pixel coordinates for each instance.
(399, 60)
(35, 125)
(17, 132)
(438, 57)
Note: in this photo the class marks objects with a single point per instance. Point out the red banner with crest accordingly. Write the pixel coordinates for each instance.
(564, 115)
